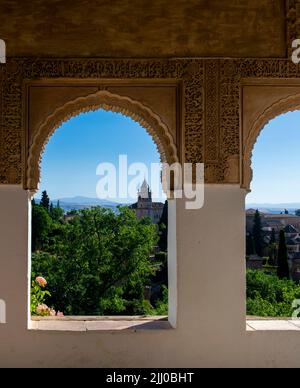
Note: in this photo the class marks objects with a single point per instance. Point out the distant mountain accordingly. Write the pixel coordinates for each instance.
(87, 201)
(290, 205)
(275, 208)
(77, 203)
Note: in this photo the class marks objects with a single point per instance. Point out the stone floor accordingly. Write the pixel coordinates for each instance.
(86, 324)
(273, 325)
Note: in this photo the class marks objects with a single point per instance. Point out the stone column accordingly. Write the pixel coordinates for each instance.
(211, 263)
(14, 253)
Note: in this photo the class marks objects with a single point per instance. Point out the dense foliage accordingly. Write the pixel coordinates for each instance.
(96, 262)
(283, 271)
(269, 296)
(38, 296)
(258, 234)
(270, 293)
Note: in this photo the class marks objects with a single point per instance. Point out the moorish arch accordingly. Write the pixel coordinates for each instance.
(108, 101)
(287, 104)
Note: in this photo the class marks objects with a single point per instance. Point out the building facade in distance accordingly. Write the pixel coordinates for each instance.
(145, 207)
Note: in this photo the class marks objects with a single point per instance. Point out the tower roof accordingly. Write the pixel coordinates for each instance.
(144, 191)
(145, 185)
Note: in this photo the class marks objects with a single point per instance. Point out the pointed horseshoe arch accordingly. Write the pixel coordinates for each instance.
(285, 105)
(103, 99)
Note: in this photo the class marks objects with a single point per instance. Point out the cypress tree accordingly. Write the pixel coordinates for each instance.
(163, 228)
(272, 254)
(273, 237)
(258, 234)
(45, 201)
(282, 259)
(250, 249)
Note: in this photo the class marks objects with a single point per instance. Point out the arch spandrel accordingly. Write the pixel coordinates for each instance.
(106, 100)
(280, 106)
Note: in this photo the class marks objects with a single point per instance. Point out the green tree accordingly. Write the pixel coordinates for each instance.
(162, 305)
(273, 248)
(273, 237)
(250, 248)
(257, 234)
(41, 226)
(297, 212)
(282, 258)
(163, 229)
(45, 201)
(269, 296)
(99, 263)
(56, 213)
(160, 278)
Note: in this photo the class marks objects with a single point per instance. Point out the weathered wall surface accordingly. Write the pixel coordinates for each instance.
(142, 28)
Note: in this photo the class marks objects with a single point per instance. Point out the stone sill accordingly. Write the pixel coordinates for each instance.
(141, 323)
(92, 324)
(269, 324)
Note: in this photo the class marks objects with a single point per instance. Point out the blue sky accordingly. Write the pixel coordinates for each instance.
(74, 151)
(276, 162)
(80, 144)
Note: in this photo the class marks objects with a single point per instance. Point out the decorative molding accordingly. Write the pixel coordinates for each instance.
(232, 170)
(212, 121)
(232, 73)
(292, 23)
(211, 95)
(229, 119)
(262, 70)
(212, 110)
(190, 72)
(194, 112)
(101, 100)
(287, 104)
(11, 125)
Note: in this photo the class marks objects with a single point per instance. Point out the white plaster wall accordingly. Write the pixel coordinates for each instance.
(211, 300)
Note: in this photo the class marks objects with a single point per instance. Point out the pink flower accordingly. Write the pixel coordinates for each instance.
(59, 314)
(43, 310)
(41, 281)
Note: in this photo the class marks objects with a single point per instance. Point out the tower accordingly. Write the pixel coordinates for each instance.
(144, 207)
(144, 193)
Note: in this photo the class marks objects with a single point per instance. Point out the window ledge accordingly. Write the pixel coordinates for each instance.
(273, 325)
(91, 324)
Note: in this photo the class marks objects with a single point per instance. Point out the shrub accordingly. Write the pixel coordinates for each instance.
(98, 263)
(269, 296)
(38, 297)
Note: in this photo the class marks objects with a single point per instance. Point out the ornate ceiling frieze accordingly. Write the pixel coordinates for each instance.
(210, 114)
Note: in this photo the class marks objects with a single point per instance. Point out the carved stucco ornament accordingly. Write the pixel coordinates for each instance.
(284, 105)
(292, 23)
(103, 99)
(209, 129)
